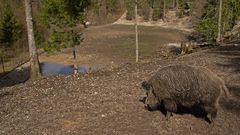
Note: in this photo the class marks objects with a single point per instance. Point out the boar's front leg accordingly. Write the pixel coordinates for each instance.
(211, 112)
(170, 106)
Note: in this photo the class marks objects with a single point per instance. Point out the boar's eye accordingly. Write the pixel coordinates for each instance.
(146, 85)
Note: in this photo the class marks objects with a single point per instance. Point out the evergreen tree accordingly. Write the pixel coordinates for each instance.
(59, 15)
(10, 28)
(63, 13)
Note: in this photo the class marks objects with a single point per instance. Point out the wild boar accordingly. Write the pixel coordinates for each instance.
(184, 86)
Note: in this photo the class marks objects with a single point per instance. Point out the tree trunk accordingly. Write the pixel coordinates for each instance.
(151, 10)
(75, 66)
(2, 63)
(177, 4)
(219, 22)
(136, 28)
(174, 4)
(151, 14)
(164, 10)
(34, 63)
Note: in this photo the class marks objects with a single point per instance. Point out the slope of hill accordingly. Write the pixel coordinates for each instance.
(106, 102)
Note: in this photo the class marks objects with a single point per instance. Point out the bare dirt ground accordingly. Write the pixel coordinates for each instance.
(107, 102)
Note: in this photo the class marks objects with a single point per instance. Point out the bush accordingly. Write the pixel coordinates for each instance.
(208, 23)
(158, 10)
(60, 40)
(207, 28)
(130, 10)
(111, 6)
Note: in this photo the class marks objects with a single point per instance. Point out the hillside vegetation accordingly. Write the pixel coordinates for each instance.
(204, 14)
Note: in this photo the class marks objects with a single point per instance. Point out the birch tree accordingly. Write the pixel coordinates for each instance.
(151, 10)
(219, 21)
(34, 62)
(164, 10)
(136, 27)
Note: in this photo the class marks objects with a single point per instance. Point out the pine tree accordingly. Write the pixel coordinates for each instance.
(10, 28)
(65, 14)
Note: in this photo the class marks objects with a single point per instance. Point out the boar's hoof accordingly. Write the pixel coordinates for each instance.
(168, 115)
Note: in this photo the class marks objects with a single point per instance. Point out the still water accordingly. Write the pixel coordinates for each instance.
(48, 68)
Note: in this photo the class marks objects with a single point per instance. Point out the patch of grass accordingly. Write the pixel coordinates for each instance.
(120, 43)
(128, 50)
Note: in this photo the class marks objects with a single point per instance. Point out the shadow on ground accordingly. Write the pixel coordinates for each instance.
(196, 110)
(15, 77)
(230, 54)
(233, 103)
(21, 75)
(234, 53)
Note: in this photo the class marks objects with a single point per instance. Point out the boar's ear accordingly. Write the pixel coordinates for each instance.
(146, 85)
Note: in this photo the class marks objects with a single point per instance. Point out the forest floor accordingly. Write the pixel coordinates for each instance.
(106, 102)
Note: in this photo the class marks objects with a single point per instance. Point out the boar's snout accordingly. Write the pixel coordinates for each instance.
(147, 107)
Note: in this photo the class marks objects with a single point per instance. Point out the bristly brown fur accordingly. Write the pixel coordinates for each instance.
(187, 86)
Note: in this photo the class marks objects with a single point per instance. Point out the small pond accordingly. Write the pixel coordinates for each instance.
(48, 68)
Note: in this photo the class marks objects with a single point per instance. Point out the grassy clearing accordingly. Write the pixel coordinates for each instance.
(118, 41)
(116, 44)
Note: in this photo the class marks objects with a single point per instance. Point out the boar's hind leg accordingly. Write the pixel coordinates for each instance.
(170, 107)
(211, 111)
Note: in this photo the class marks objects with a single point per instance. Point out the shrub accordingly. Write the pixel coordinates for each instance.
(60, 40)
(208, 28)
(208, 23)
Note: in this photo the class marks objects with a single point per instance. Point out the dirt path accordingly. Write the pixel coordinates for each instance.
(172, 22)
(106, 102)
